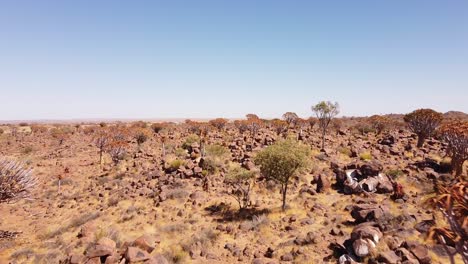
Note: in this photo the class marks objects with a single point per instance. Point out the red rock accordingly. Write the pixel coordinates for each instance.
(135, 254)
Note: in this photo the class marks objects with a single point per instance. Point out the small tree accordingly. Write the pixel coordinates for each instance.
(280, 161)
(101, 140)
(423, 122)
(312, 121)
(280, 126)
(239, 182)
(241, 125)
(379, 123)
(118, 143)
(290, 118)
(455, 133)
(254, 123)
(16, 181)
(141, 135)
(325, 112)
(157, 127)
(219, 123)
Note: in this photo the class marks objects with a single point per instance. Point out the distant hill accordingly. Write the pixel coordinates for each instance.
(456, 115)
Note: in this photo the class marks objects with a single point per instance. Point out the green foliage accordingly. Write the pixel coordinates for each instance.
(345, 151)
(395, 173)
(216, 157)
(282, 160)
(365, 156)
(217, 151)
(189, 140)
(176, 164)
(239, 183)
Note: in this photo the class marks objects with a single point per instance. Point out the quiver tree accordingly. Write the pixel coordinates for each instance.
(379, 123)
(280, 126)
(241, 125)
(101, 140)
(157, 127)
(219, 123)
(325, 112)
(423, 122)
(16, 181)
(455, 134)
(239, 183)
(117, 143)
(453, 203)
(254, 123)
(312, 121)
(281, 161)
(290, 118)
(140, 135)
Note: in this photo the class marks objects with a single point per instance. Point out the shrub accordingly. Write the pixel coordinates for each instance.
(280, 161)
(176, 164)
(345, 151)
(423, 122)
(394, 174)
(1, 131)
(189, 140)
(27, 150)
(23, 124)
(365, 156)
(38, 129)
(239, 182)
(157, 127)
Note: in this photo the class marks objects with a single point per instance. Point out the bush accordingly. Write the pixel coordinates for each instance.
(27, 150)
(394, 174)
(365, 156)
(189, 140)
(345, 151)
(176, 164)
(239, 182)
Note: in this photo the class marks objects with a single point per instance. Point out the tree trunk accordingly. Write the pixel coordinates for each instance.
(100, 157)
(421, 140)
(457, 166)
(323, 139)
(285, 189)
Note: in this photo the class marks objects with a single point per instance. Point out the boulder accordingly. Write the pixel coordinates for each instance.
(135, 254)
(104, 247)
(323, 183)
(419, 251)
(389, 257)
(368, 212)
(365, 237)
(371, 168)
(157, 259)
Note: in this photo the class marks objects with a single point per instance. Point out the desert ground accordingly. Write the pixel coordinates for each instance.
(161, 193)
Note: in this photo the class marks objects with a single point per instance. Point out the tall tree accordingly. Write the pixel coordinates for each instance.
(325, 112)
(423, 122)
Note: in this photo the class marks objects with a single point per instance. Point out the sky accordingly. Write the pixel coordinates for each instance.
(140, 59)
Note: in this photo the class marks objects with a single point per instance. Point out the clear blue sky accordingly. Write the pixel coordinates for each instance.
(151, 59)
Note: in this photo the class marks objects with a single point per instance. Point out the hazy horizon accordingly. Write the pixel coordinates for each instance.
(69, 60)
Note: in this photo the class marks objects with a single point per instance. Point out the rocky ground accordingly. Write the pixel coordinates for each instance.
(154, 209)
